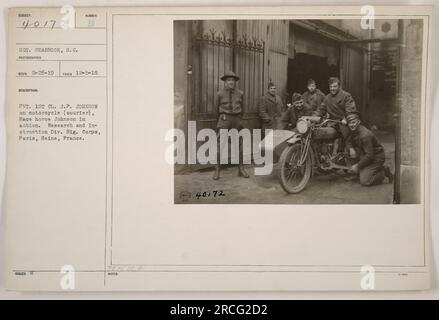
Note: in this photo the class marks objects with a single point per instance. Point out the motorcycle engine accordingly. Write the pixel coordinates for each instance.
(325, 153)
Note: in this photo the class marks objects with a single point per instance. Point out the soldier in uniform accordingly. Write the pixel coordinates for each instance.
(295, 111)
(313, 97)
(337, 105)
(270, 108)
(229, 103)
(370, 168)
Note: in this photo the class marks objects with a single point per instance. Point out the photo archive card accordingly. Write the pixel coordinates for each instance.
(272, 148)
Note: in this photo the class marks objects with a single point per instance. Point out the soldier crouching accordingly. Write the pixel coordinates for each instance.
(370, 168)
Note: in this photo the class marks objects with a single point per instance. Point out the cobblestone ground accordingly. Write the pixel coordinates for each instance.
(327, 189)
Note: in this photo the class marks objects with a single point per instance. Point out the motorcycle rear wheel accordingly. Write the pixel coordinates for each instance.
(294, 178)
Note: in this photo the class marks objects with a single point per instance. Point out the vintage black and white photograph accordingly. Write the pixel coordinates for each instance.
(298, 111)
(220, 149)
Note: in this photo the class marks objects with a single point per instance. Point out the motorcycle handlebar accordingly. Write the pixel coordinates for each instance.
(330, 120)
(317, 119)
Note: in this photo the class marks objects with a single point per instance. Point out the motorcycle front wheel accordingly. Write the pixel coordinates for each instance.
(294, 177)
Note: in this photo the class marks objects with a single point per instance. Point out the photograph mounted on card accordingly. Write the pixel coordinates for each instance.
(218, 148)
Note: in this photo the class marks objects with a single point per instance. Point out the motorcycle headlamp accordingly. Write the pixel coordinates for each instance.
(302, 126)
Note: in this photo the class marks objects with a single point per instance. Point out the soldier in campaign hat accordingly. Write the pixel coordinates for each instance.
(229, 103)
(229, 74)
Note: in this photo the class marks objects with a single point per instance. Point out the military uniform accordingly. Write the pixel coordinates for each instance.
(371, 155)
(313, 100)
(229, 103)
(270, 110)
(290, 117)
(337, 107)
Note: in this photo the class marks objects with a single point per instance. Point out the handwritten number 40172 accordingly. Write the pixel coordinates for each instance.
(210, 194)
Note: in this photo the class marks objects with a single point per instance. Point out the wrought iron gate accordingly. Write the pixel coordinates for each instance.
(214, 53)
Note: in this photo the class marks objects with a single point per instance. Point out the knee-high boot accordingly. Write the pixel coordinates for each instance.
(241, 170)
(216, 174)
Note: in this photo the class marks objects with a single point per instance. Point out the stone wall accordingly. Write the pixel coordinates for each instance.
(410, 108)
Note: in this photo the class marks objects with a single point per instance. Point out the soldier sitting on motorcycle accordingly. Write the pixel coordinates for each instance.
(295, 111)
(337, 105)
(370, 166)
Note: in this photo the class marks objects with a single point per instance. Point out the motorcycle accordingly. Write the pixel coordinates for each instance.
(310, 148)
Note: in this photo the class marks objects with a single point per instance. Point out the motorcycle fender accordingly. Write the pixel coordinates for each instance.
(294, 139)
(314, 161)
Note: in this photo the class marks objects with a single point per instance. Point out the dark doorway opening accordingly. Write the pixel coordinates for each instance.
(305, 66)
